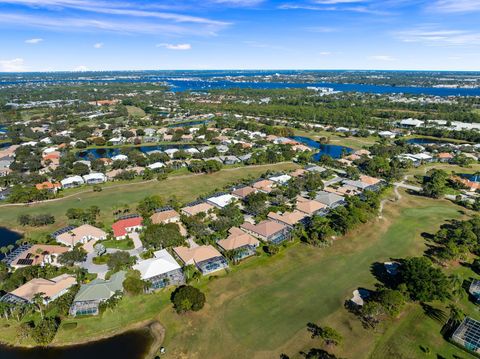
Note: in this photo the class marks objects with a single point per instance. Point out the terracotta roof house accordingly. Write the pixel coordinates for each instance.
(243, 192)
(82, 234)
(310, 207)
(165, 216)
(471, 185)
(299, 172)
(444, 157)
(268, 231)
(48, 186)
(206, 258)
(51, 289)
(263, 186)
(161, 270)
(39, 254)
(194, 209)
(90, 295)
(243, 243)
(289, 219)
(122, 227)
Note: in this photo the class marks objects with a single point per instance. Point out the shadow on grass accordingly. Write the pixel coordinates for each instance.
(434, 313)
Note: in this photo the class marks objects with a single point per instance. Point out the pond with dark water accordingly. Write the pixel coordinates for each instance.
(130, 345)
(334, 151)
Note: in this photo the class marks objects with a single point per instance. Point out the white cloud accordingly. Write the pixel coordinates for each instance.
(456, 5)
(33, 41)
(13, 65)
(80, 68)
(176, 46)
(98, 45)
(439, 37)
(334, 2)
(321, 29)
(382, 58)
(245, 3)
(325, 53)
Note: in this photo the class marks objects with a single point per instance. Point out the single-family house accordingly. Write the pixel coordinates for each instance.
(51, 289)
(195, 208)
(310, 207)
(221, 200)
(71, 182)
(161, 270)
(82, 234)
(241, 242)
(122, 227)
(165, 215)
(263, 185)
(91, 295)
(38, 254)
(290, 219)
(268, 231)
(206, 258)
(331, 200)
(243, 192)
(95, 178)
(282, 179)
(48, 186)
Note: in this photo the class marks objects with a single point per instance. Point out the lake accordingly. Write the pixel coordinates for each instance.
(7, 237)
(131, 345)
(334, 151)
(426, 141)
(110, 152)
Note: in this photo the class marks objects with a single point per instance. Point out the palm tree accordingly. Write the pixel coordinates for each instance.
(456, 282)
(39, 301)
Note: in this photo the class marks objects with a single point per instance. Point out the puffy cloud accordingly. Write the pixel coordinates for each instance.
(13, 65)
(33, 41)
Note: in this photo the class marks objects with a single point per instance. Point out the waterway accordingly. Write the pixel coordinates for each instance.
(130, 345)
(334, 151)
(110, 152)
(8, 237)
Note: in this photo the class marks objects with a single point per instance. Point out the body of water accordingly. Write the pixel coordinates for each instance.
(5, 144)
(471, 177)
(426, 141)
(132, 345)
(189, 123)
(8, 237)
(211, 80)
(110, 152)
(334, 151)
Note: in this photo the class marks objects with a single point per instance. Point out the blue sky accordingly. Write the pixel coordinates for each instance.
(47, 35)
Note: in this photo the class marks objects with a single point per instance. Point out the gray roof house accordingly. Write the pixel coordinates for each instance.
(331, 200)
(90, 295)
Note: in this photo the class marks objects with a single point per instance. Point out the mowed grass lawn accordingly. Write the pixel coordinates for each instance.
(261, 308)
(183, 188)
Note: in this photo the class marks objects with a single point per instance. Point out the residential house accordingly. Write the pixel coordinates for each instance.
(263, 185)
(331, 200)
(268, 231)
(239, 241)
(71, 236)
(206, 258)
(290, 219)
(197, 207)
(123, 227)
(165, 215)
(95, 178)
(161, 270)
(48, 186)
(38, 254)
(51, 289)
(71, 182)
(243, 192)
(310, 207)
(221, 200)
(91, 295)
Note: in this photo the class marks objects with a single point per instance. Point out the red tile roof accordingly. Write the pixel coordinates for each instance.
(120, 227)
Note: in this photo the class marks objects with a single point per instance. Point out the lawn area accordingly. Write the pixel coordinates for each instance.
(449, 168)
(261, 309)
(135, 111)
(123, 244)
(184, 188)
(335, 139)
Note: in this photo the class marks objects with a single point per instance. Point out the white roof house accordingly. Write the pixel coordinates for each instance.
(156, 166)
(192, 150)
(171, 151)
(387, 134)
(161, 263)
(120, 158)
(95, 177)
(72, 181)
(280, 179)
(411, 122)
(221, 201)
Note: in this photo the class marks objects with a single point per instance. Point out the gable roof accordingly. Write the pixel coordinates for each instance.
(265, 228)
(309, 206)
(162, 216)
(197, 254)
(289, 218)
(50, 287)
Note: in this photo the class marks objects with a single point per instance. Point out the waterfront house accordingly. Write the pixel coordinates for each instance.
(51, 289)
(161, 270)
(38, 254)
(91, 295)
(206, 258)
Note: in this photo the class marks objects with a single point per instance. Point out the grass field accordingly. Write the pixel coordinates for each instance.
(135, 111)
(335, 139)
(262, 310)
(184, 188)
